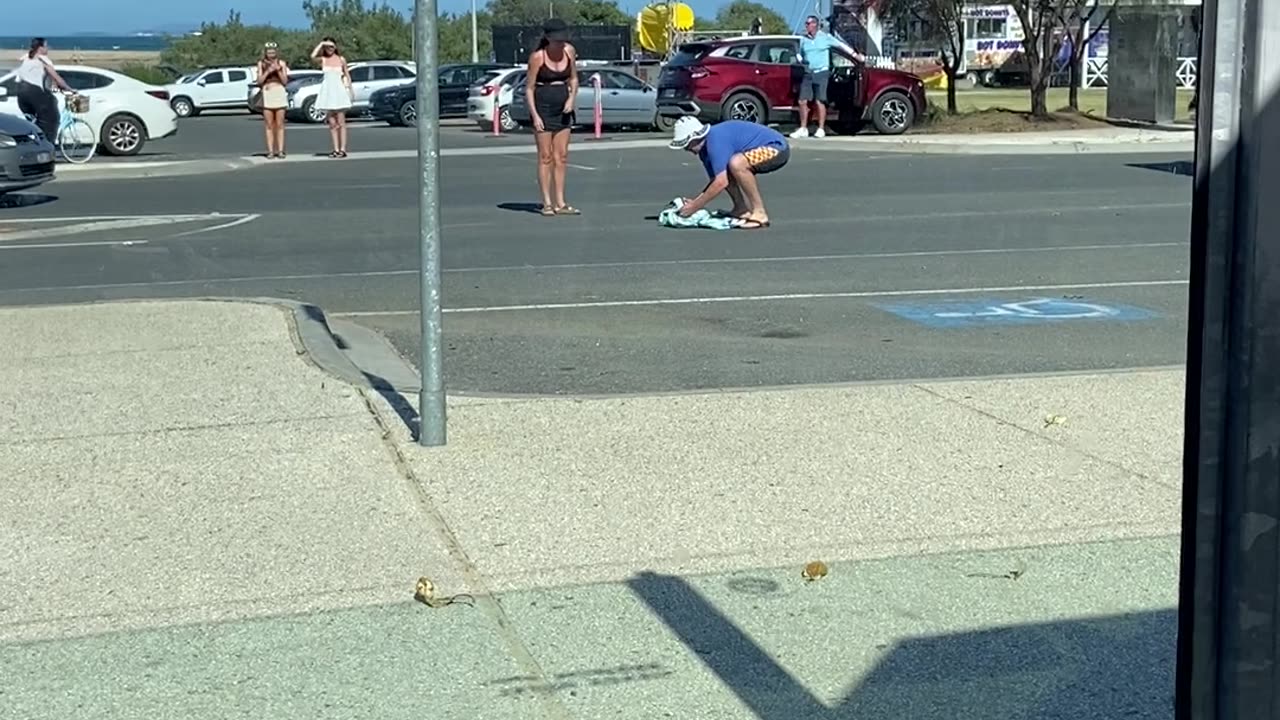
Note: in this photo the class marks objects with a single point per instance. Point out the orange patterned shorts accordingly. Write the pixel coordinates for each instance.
(766, 159)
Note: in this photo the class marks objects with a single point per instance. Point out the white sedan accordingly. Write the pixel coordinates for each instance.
(494, 87)
(125, 113)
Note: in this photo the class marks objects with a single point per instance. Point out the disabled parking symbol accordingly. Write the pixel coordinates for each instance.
(970, 313)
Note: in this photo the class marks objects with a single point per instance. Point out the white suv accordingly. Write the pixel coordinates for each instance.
(221, 88)
(366, 78)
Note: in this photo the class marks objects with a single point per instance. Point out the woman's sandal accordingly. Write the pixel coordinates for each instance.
(547, 211)
(567, 210)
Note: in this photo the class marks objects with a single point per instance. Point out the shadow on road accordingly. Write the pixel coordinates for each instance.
(1105, 667)
(16, 201)
(524, 207)
(1177, 167)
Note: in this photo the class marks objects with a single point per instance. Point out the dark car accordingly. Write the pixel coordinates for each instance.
(757, 78)
(26, 156)
(399, 105)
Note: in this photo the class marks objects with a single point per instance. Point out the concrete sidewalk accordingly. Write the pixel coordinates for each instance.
(196, 522)
(1115, 140)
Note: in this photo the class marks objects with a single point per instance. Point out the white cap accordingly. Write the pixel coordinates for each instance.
(688, 129)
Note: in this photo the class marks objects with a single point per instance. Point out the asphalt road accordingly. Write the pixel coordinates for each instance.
(611, 303)
(235, 134)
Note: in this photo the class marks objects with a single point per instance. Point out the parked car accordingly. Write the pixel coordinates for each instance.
(495, 87)
(295, 76)
(366, 79)
(757, 78)
(26, 155)
(625, 101)
(398, 105)
(126, 114)
(220, 88)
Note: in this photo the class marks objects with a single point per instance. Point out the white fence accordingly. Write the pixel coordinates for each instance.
(1095, 72)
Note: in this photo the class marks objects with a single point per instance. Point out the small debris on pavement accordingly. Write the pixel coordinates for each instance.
(425, 593)
(1055, 420)
(814, 571)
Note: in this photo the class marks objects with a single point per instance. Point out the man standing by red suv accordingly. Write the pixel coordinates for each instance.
(815, 50)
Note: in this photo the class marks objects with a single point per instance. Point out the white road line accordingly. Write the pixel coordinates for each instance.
(99, 226)
(534, 160)
(234, 223)
(626, 264)
(97, 243)
(772, 298)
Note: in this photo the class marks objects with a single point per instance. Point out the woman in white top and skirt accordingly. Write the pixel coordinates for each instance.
(36, 77)
(334, 97)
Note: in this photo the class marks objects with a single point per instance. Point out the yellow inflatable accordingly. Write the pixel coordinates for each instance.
(937, 81)
(655, 23)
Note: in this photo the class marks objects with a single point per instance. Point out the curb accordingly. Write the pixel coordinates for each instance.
(1058, 148)
(135, 170)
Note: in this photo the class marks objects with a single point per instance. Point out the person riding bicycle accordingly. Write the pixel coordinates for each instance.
(36, 76)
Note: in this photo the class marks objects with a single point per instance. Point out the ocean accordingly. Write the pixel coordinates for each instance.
(92, 42)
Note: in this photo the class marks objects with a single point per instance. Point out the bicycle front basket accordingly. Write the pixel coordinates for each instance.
(77, 103)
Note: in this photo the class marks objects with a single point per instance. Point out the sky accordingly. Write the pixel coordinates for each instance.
(128, 16)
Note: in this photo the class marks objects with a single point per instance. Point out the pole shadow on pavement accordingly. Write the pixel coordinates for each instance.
(1119, 666)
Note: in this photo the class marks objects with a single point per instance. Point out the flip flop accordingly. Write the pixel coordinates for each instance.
(744, 224)
(567, 210)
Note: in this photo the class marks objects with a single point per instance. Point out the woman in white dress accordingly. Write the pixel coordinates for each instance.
(335, 93)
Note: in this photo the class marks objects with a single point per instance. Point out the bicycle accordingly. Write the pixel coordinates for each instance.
(76, 140)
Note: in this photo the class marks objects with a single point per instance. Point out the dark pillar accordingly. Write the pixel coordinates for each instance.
(1142, 60)
(1229, 613)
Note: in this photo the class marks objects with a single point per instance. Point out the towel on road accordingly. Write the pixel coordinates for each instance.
(670, 217)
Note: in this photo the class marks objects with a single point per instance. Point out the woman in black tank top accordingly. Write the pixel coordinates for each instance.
(551, 91)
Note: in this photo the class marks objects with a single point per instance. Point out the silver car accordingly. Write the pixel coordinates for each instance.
(26, 156)
(625, 100)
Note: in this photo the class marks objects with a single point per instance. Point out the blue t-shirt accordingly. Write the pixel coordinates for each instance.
(816, 51)
(728, 138)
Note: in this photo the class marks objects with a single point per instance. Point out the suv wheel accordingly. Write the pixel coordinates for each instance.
(892, 113)
(408, 114)
(183, 107)
(311, 112)
(745, 106)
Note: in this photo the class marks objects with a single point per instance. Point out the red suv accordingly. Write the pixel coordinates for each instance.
(757, 78)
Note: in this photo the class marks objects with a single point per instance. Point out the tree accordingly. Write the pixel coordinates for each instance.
(1082, 21)
(943, 23)
(234, 43)
(739, 15)
(454, 36)
(1040, 19)
(364, 33)
(573, 12)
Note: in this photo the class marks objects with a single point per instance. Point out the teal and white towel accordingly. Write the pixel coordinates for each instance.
(670, 217)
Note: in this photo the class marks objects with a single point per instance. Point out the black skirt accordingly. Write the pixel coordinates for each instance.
(548, 101)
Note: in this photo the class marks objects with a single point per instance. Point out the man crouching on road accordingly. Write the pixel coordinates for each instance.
(733, 153)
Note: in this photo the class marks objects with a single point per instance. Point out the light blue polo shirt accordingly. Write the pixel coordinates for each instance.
(816, 51)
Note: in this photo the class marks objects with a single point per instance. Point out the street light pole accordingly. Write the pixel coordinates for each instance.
(475, 35)
(431, 397)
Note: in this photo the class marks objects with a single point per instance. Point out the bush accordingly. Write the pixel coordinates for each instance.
(933, 112)
(149, 74)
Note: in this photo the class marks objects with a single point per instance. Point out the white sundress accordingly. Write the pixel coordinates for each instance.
(333, 93)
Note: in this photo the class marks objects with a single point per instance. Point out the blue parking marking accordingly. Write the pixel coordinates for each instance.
(1035, 311)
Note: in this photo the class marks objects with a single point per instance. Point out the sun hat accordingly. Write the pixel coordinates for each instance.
(556, 30)
(688, 129)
